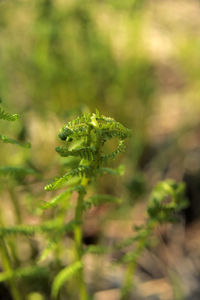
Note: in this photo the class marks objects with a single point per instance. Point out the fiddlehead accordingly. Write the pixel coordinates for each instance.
(91, 131)
(84, 138)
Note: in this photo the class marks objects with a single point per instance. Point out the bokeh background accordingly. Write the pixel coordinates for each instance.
(137, 61)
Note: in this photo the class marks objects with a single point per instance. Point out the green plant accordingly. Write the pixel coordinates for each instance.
(84, 138)
(167, 199)
(86, 158)
(4, 170)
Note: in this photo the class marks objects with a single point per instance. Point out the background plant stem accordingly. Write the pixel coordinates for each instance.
(130, 272)
(128, 281)
(8, 268)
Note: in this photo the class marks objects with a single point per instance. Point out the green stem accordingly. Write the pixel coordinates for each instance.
(11, 243)
(15, 203)
(128, 281)
(6, 264)
(130, 272)
(8, 268)
(78, 235)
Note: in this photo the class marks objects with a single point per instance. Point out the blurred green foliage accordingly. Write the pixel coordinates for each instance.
(61, 55)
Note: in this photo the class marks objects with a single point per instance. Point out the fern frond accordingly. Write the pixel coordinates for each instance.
(56, 200)
(8, 140)
(7, 116)
(86, 152)
(59, 182)
(16, 172)
(62, 197)
(111, 128)
(126, 242)
(168, 198)
(131, 256)
(113, 133)
(118, 171)
(106, 127)
(34, 271)
(79, 189)
(50, 247)
(71, 162)
(82, 120)
(64, 275)
(79, 131)
(100, 199)
(30, 230)
(121, 148)
(95, 249)
(87, 135)
(143, 233)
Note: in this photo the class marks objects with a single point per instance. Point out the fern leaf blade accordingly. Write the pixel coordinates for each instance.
(8, 140)
(59, 182)
(64, 275)
(7, 116)
(16, 172)
(86, 152)
(100, 199)
(56, 200)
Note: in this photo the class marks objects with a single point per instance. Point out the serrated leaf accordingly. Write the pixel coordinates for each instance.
(100, 199)
(7, 116)
(60, 181)
(119, 171)
(56, 200)
(64, 275)
(95, 249)
(30, 230)
(85, 152)
(121, 148)
(50, 247)
(33, 271)
(8, 140)
(16, 172)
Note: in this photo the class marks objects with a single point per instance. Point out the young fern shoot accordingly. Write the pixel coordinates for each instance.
(84, 138)
(167, 199)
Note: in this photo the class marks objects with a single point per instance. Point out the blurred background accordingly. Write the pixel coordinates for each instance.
(137, 61)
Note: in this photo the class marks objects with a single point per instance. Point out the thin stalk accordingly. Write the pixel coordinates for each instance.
(78, 235)
(8, 268)
(15, 203)
(130, 272)
(6, 264)
(11, 243)
(128, 281)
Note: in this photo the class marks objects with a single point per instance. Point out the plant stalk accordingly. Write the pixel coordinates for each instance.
(130, 272)
(8, 268)
(128, 281)
(78, 235)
